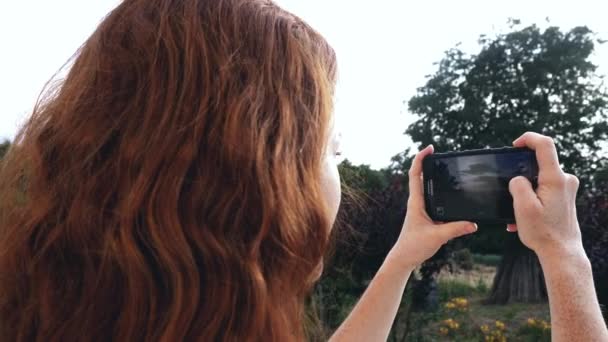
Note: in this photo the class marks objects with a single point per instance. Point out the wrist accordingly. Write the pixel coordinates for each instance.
(400, 261)
(561, 255)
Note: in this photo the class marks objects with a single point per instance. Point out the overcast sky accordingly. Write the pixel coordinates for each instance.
(385, 49)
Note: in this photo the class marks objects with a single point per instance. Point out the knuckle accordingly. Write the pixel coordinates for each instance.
(573, 180)
(573, 184)
(527, 209)
(547, 142)
(561, 180)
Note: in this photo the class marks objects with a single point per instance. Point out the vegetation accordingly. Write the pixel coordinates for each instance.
(526, 79)
(463, 316)
(487, 259)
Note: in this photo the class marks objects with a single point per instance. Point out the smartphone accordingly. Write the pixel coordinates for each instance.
(474, 185)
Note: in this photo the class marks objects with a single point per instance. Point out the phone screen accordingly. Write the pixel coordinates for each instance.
(476, 187)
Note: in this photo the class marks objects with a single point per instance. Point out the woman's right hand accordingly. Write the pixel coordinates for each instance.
(546, 219)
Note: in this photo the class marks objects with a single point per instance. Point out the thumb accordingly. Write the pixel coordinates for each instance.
(448, 231)
(522, 192)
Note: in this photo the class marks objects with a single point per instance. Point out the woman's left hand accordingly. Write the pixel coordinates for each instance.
(420, 237)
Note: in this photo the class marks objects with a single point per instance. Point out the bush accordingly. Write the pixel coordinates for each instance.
(535, 330)
(454, 288)
(487, 259)
(463, 259)
(481, 286)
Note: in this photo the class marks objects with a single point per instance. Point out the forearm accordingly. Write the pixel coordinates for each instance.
(372, 317)
(575, 312)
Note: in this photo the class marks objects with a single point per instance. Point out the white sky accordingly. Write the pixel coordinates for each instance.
(384, 48)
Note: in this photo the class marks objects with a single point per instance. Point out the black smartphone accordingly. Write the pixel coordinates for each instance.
(474, 185)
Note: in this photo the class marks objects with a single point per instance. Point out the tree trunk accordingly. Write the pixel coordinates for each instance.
(519, 277)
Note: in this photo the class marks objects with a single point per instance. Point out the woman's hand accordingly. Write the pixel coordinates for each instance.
(420, 237)
(546, 219)
(547, 223)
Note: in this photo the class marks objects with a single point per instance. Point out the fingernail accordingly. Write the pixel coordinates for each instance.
(472, 228)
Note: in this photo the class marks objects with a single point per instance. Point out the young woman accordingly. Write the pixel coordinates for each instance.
(181, 184)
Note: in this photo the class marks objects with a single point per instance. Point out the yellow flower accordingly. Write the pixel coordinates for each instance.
(450, 323)
(485, 329)
(531, 322)
(500, 325)
(461, 301)
(545, 325)
(450, 305)
(443, 331)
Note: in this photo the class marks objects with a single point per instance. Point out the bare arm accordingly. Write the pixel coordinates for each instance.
(372, 317)
(420, 238)
(547, 223)
(575, 312)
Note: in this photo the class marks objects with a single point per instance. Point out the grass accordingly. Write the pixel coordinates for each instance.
(453, 288)
(461, 283)
(478, 321)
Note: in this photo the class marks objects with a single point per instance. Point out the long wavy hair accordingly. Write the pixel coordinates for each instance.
(168, 187)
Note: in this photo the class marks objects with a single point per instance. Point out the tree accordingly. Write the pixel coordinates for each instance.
(524, 80)
(360, 242)
(369, 222)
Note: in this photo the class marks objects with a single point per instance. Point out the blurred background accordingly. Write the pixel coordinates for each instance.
(458, 74)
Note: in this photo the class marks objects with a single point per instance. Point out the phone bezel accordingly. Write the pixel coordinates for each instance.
(427, 164)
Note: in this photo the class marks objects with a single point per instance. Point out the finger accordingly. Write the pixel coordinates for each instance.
(524, 197)
(511, 228)
(546, 154)
(415, 178)
(453, 230)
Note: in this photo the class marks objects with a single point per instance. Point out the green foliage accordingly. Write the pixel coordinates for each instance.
(336, 294)
(528, 79)
(481, 286)
(535, 330)
(454, 288)
(487, 259)
(369, 222)
(524, 80)
(467, 319)
(463, 259)
(592, 211)
(488, 240)
(362, 177)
